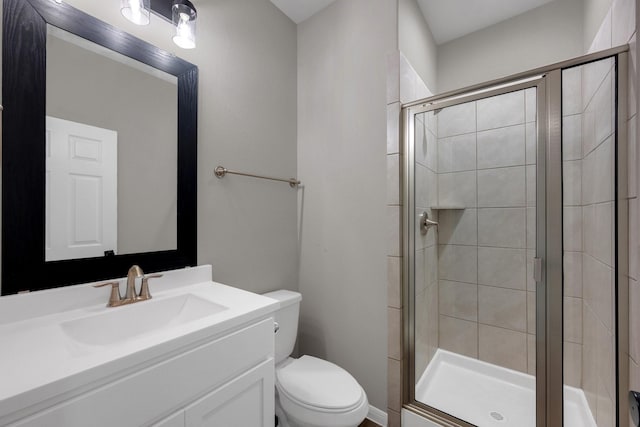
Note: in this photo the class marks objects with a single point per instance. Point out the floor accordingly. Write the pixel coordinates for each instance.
(368, 423)
(490, 396)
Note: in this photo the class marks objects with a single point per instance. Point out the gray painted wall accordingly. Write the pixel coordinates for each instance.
(542, 36)
(143, 110)
(246, 55)
(416, 42)
(342, 163)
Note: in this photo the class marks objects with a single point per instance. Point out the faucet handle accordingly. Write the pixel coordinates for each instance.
(144, 289)
(115, 297)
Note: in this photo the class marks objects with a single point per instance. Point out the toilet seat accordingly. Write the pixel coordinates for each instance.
(318, 393)
(318, 384)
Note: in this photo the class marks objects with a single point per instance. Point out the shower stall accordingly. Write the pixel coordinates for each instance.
(515, 230)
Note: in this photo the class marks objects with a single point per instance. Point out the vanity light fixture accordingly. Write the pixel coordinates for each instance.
(184, 17)
(136, 11)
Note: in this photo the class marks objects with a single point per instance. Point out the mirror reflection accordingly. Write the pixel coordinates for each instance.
(111, 147)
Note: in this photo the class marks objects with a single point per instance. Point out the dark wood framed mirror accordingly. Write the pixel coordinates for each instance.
(24, 91)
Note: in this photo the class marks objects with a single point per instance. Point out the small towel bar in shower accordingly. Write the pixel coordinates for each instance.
(221, 171)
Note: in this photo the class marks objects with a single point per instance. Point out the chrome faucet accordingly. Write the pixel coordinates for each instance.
(135, 272)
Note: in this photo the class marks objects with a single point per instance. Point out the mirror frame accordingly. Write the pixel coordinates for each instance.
(23, 149)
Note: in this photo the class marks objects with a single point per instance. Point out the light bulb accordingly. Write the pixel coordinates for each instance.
(185, 38)
(136, 11)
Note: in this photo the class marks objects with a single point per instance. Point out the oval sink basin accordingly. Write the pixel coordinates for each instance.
(127, 322)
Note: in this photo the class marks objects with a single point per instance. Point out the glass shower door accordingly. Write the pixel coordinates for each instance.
(474, 188)
(589, 244)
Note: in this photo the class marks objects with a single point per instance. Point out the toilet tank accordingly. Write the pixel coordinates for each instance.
(287, 318)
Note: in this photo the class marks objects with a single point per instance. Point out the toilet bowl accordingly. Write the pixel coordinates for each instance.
(311, 392)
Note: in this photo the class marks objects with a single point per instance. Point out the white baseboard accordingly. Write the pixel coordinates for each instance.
(377, 416)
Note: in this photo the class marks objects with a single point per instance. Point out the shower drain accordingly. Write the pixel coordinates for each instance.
(496, 416)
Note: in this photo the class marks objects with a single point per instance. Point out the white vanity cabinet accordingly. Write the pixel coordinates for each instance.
(224, 381)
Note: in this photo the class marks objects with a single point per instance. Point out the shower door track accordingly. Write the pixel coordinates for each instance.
(549, 245)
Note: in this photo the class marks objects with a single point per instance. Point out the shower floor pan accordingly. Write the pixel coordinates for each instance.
(490, 396)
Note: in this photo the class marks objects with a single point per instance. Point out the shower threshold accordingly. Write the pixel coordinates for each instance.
(490, 396)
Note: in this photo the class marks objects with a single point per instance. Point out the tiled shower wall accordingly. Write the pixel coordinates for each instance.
(486, 195)
(405, 86)
(598, 213)
(426, 246)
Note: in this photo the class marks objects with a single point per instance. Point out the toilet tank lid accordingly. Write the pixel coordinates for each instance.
(285, 297)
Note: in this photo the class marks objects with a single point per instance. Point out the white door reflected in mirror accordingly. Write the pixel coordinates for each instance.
(82, 190)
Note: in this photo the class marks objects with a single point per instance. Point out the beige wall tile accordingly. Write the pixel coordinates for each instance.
(457, 153)
(532, 143)
(572, 91)
(623, 24)
(505, 308)
(572, 228)
(531, 354)
(530, 104)
(393, 418)
(458, 263)
(573, 320)
(502, 227)
(598, 240)
(503, 347)
(457, 120)
(501, 147)
(393, 77)
(589, 357)
(573, 274)
(531, 312)
(394, 281)
(572, 369)
(531, 185)
(572, 137)
(458, 300)
(502, 187)
(394, 375)
(458, 227)
(393, 128)
(572, 182)
(598, 289)
(505, 268)
(394, 333)
(393, 179)
(459, 336)
(393, 230)
(501, 111)
(457, 189)
(605, 412)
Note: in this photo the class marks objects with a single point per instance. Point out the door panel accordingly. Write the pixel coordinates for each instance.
(81, 195)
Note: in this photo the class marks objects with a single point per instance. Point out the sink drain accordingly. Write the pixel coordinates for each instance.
(496, 416)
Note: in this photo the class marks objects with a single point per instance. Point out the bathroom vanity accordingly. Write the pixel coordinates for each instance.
(198, 353)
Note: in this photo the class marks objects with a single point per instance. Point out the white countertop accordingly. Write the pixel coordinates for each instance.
(39, 361)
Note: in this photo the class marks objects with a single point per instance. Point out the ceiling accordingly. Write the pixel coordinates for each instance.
(299, 10)
(451, 19)
(447, 19)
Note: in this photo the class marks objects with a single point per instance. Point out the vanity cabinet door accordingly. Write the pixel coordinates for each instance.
(247, 400)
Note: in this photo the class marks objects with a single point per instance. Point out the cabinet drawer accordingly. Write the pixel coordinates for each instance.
(159, 390)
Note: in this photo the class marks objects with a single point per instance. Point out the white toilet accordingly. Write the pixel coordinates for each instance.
(311, 392)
